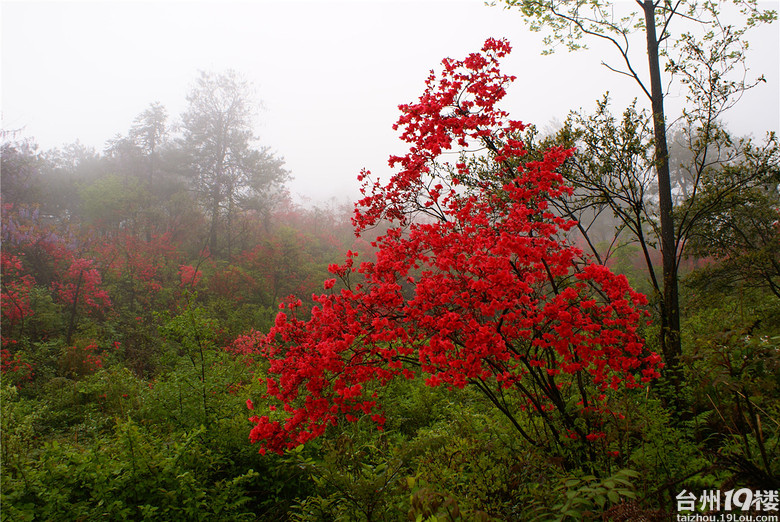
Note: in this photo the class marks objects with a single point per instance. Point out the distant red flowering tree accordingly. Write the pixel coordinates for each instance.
(15, 307)
(44, 247)
(15, 295)
(82, 359)
(189, 276)
(473, 284)
(80, 289)
(233, 282)
(142, 266)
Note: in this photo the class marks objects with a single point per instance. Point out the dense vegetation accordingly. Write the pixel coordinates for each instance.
(147, 327)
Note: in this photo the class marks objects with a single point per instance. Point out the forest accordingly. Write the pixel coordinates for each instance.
(581, 324)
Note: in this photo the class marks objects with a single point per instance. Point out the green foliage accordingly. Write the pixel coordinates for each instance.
(429, 505)
(111, 200)
(47, 316)
(473, 461)
(412, 406)
(626, 259)
(360, 474)
(739, 231)
(734, 371)
(426, 465)
(651, 432)
(127, 475)
(352, 483)
(109, 445)
(473, 468)
(587, 497)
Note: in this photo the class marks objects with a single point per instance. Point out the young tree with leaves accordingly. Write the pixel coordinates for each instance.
(703, 56)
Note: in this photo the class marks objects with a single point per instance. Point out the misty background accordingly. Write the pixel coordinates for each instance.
(328, 75)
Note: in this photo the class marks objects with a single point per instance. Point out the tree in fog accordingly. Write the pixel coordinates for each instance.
(20, 163)
(229, 172)
(138, 153)
(148, 133)
(66, 170)
(146, 162)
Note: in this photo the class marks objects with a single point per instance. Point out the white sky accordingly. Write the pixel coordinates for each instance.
(330, 74)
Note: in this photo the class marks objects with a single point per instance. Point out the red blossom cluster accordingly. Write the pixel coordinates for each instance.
(83, 358)
(15, 306)
(456, 109)
(232, 282)
(81, 285)
(485, 291)
(15, 295)
(51, 251)
(91, 358)
(131, 258)
(189, 276)
(12, 364)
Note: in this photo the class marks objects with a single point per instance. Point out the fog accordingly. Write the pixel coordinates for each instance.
(330, 75)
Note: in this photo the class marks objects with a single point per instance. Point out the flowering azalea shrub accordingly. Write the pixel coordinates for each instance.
(83, 358)
(15, 307)
(81, 288)
(81, 285)
(189, 276)
(13, 367)
(473, 284)
(144, 265)
(233, 282)
(15, 294)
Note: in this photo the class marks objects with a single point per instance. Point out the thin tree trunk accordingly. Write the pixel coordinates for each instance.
(150, 186)
(670, 311)
(214, 221)
(74, 310)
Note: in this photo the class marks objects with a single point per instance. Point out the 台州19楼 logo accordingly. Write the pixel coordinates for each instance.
(734, 505)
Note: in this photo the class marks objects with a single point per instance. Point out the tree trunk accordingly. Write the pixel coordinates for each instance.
(216, 201)
(74, 310)
(150, 187)
(214, 222)
(670, 311)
